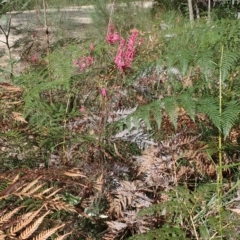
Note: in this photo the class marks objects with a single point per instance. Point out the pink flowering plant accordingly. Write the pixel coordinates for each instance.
(126, 48)
(83, 62)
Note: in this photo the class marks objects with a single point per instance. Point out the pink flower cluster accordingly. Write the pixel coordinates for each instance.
(104, 92)
(126, 49)
(83, 62)
(112, 35)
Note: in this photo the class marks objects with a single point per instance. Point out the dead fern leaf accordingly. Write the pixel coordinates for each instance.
(109, 236)
(33, 227)
(15, 179)
(41, 194)
(98, 184)
(29, 186)
(10, 189)
(74, 173)
(11, 88)
(7, 216)
(63, 236)
(124, 197)
(47, 233)
(18, 117)
(57, 204)
(53, 194)
(2, 235)
(117, 152)
(35, 189)
(24, 222)
(116, 226)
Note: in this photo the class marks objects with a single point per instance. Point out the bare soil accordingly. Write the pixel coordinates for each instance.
(29, 35)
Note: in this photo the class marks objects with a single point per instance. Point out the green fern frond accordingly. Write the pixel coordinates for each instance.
(229, 60)
(170, 105)
(166, 232)
(187, 102)
(209, 106)
(224, 121)
(171, 108)
(157, 113)
(229, 116)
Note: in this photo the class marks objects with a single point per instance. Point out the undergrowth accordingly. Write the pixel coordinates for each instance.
(133, 134)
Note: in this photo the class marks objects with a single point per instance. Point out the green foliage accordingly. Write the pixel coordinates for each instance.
(196, 209)
(125, 15)
(176, 77)
(166, 233)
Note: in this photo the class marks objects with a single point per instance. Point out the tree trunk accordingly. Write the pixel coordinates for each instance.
(190, 9)
(209, 10)
(197, 10)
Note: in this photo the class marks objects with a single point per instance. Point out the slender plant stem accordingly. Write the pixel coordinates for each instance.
(220, 154)
(6, 34)
(47, 40)
(110, 17)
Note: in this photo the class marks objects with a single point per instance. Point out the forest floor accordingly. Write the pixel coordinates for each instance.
(28, 31)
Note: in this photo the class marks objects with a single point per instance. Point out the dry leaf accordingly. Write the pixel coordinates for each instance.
(74, 174)
(10, 88)
(18, 117)
(236, 210)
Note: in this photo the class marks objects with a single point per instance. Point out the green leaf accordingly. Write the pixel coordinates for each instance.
(170, 107)
(188, 104)
(209, 106)
(229, 116)
(157, 113)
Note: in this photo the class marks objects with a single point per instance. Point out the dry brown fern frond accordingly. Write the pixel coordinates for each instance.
(123, 197)
(36, 190)
(62, 237)
(33, 227)
(109, 236)
(23, 223)
(26, 225)
(129, 222)
(161, 165)
(47, 233)
(116, 227)
(23, 216)
(127, 197)
(6, 217)
(98, 184)
(74, 173)
(2, 235)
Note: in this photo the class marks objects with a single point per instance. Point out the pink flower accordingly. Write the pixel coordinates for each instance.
(126, 52)
(119, 59)
(82, 109)
(104, 92)
(89, 60)
(83, 65)
(34, 59)
(76, 62)
(83, 62)
(112, 35)
(130, 49)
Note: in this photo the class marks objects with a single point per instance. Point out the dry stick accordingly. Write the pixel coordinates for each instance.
(6, 34)
(46, 26)
(47, 38)
(110, 16)
(103, 98)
